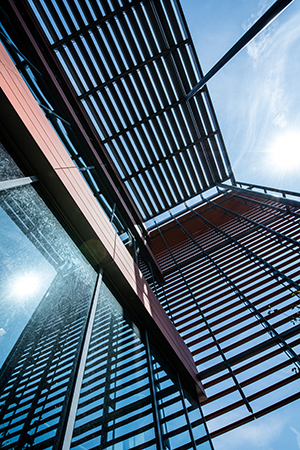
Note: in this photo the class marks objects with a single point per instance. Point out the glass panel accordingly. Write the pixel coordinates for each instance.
(8, 168)
(45, 291)
(115, 408)
(116, 405)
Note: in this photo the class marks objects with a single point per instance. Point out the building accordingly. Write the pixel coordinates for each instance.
(146, 287)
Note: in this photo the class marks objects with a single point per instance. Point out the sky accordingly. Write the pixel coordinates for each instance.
(256, 97)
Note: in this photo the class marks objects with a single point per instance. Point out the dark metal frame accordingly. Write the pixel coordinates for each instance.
(165, 150)
(231, 299)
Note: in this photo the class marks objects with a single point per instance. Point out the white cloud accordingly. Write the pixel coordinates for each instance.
(297, 434)
(269, 52)
(2, 332)
(270, 94)
(261, 434)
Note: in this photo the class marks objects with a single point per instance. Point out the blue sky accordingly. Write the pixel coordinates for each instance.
(256, 97)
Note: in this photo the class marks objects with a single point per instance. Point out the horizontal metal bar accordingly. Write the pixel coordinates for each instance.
(249, 353)
(283, 192)
(169, 156)
(258, 414)
(95, 24)
(273, 198)
(133, 69)
(8, 184)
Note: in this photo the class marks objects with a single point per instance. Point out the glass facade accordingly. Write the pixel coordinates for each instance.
(129, 398)
(78, 370)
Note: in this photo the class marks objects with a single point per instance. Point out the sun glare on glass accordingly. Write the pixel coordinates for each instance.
(284, 153)
(25, 285)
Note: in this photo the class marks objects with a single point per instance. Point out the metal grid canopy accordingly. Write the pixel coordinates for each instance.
(131, 63)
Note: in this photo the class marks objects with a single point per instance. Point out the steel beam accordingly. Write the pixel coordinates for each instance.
(264, 21)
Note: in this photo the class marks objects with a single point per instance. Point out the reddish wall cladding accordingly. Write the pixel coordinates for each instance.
(59, 177)
(220, 304)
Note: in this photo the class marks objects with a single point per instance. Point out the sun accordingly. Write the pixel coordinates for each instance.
(25, 285)
(284, 152)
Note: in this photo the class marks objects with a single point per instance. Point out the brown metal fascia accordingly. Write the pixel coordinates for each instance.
(33, 138)
(68, 97)
(206, 208)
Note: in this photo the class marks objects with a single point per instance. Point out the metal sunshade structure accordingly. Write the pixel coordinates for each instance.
(131, 64)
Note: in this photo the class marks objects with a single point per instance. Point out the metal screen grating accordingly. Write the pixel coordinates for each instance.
(130, 65)
(231, 271)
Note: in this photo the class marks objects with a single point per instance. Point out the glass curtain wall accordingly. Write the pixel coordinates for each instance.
(128, 398)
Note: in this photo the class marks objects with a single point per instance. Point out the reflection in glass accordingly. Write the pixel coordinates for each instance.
(8, 168)
(46, 288)
(117, 403)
